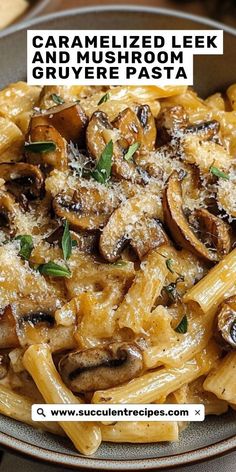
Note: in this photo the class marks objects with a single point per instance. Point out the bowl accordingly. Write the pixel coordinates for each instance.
(201, 441)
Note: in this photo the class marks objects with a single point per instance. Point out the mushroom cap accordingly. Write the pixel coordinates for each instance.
(122, 224)
(101, 367)
(177, 222)
(226, 323)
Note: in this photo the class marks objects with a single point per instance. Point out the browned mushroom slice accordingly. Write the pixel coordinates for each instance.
(129, 126)
(226, 323)
(85, 208)
(7, 213)
(147, 121)
(177, 222)
(4, 365)
(56, 159)
(147, 235)
(94, 134)
(100, 128)
(69, 120)
(120, 226)
(170, 121)
(206, 130)
(101, 367)
(26, 176)
(216, 231)
(8, 335)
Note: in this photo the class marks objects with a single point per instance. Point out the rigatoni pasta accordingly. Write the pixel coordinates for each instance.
(117, 253)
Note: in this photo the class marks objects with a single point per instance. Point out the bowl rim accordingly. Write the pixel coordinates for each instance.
(62, 459)
(33, 10)
(121, 7)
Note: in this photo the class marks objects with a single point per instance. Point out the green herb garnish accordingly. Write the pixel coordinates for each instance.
(66, 242)
(182, 326)
(57, 99)
(54, 270)
(131, 151)
(102, 171)
(74, 243)
(40, 146)
(26, 246)
(104, 98)
(169, 263)
(219, 173)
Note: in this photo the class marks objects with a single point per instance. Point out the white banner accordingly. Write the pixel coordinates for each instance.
(122, 57)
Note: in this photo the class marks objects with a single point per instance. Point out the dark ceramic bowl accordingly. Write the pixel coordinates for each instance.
(201, 441)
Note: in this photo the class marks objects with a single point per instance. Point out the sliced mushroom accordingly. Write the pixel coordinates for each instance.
(101, 367)
(100, 131)
(53, 159)
(36, 318)
(177, 222)
(26, 178)
(147, 235)
(8, 334)
(95, 134)
(216, 231)
(206, 130)
(7, 213)
(226, 323)
(4, 365)
(69, 120)
(129, 126)
(86, 208)
(121, 224)
(170, 121)
(148, 124)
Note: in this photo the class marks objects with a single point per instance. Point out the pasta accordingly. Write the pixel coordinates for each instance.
(117, 253)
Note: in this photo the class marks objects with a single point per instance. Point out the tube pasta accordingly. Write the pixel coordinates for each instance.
(216, 285)
(136, 432)
(19, 407)
(159, 383)
(38, 361)
(221, 380)
(142, 294)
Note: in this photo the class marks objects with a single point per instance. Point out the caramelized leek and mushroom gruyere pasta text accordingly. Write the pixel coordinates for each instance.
(117, 253)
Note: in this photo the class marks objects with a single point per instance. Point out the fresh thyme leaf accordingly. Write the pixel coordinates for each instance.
(74, 243)
(102, 171)
(104, 99)
(54, 270)
(57, 99)
(169, 263)
(40, 146)
(66, 242)
(219, 173)
(131, 151)
(182, 326)
(26, 246)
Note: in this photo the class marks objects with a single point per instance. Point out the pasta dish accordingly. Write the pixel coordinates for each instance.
(117, 253)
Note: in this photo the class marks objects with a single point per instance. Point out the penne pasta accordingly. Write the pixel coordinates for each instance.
(136, 432)
(18, 407)
(38, 361)
(217, 285)
(221, 380)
